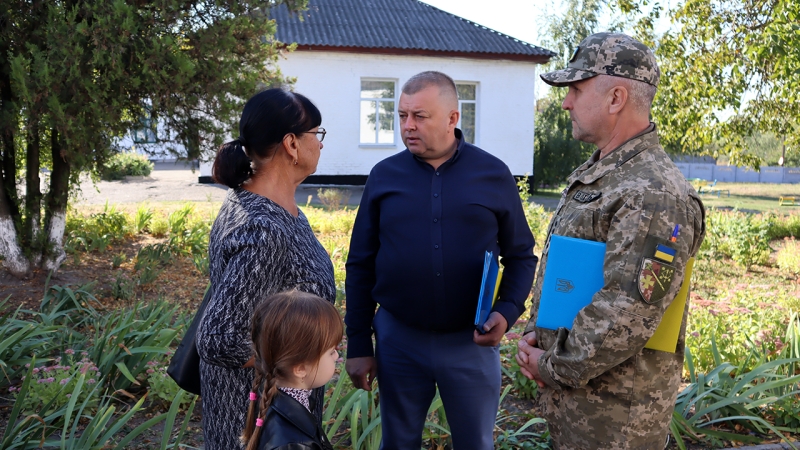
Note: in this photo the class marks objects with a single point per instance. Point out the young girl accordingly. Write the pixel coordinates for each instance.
(295, 335)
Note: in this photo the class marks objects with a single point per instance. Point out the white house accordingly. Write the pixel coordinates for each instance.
(353, 56)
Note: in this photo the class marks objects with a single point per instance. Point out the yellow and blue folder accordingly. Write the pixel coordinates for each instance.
(574, 273)
(490, 284)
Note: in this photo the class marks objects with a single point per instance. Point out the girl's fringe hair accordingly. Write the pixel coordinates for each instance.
(289, 329)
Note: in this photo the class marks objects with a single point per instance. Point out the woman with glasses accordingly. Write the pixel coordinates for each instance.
(260, 244)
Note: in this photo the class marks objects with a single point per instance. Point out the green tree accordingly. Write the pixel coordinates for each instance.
(770, 148)
(556, 152)
(729, 69)
(564, 32)
(77, 74)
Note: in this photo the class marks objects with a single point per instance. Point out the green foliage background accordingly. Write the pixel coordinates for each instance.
(730, 84)
(556, 153)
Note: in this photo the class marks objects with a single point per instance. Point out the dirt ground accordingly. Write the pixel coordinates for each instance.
(181, 283)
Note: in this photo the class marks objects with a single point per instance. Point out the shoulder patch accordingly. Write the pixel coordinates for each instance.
(586, 197)
(656, 271)
(654, 279)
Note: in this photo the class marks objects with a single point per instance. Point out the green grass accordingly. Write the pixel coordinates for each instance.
(757, 197)
(753, 197)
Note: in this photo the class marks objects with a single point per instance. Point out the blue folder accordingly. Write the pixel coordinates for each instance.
(571, 279)
(574, 273)
(490, 283)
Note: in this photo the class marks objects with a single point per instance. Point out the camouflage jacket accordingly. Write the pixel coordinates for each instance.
(604, 389)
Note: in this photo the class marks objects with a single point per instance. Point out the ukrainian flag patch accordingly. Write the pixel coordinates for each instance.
(665, 253)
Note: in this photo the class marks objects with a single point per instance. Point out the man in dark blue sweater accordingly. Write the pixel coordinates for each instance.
(427, 216)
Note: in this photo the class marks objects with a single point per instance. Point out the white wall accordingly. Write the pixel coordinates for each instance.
(332, 80)
(154, 152)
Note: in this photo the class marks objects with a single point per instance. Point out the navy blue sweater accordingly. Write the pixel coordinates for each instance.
(419, 239)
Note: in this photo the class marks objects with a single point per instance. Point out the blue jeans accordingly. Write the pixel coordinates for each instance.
(412, 362)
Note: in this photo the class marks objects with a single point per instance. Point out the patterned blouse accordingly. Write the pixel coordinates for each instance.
(301, 395)
(256, 248)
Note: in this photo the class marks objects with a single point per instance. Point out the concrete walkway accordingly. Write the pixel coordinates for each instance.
(179, 184)
(171, 182)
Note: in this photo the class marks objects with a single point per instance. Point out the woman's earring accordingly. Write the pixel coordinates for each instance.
(295, 162)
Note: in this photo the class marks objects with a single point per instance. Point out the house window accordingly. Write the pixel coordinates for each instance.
(145, 131)
(377, 112)
(467, 103)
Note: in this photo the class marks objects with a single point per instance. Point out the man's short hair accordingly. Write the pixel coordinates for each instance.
(422, 80)
(640, 94)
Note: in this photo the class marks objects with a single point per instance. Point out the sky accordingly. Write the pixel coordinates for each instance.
(521, 19)
(517, 18)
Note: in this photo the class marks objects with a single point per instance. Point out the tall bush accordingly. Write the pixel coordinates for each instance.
(126, 164)
(555, 151)
(743, 237)
(538, 218)
(788, 257)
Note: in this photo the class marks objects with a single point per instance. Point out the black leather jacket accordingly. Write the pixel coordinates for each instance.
(290, 426)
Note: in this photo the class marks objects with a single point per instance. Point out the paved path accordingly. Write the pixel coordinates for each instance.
(175, 183)
(164, 185)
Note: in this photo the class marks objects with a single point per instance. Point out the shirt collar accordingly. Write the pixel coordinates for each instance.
(597, 167)
(301, 395)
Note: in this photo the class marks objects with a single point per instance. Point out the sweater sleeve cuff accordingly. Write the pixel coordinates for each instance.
(509, 311)
(360, 345)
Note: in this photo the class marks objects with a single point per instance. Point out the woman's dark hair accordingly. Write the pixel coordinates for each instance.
(289, 328)
(267, 117)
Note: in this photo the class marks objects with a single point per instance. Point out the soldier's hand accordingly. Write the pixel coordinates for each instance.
(362, 371)
(495, 327)
(528, 358)
(525, 342)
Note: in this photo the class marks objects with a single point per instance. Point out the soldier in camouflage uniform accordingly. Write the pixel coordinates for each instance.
(600, 388)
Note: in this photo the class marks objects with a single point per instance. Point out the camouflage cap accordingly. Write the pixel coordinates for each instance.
(613, 54)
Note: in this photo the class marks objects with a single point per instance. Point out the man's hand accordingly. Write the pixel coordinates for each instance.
(528, 358)
(362, 371)
(495, 327)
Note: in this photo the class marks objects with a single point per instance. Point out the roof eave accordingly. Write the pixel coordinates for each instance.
(537, 59)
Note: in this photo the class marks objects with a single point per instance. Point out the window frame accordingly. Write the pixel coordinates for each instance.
(147, 127)
(395, 119)
(474, 102)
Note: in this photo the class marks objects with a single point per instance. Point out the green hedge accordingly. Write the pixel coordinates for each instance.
(126, 164)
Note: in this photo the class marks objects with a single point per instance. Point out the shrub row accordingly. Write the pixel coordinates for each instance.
(125, 164)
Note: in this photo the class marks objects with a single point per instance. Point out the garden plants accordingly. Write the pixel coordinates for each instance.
(742, 347)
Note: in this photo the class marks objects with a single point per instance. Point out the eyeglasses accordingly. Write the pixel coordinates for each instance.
(320, 133)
